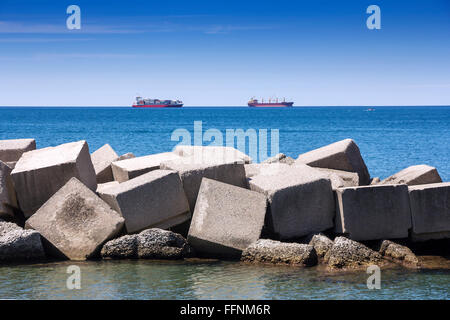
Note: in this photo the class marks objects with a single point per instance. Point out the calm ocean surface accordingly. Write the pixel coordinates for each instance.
(390, 139)
(144, 279)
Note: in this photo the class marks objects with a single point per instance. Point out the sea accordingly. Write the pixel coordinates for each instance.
(389, 138)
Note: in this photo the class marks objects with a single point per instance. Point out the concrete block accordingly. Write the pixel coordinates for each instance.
(301, 200)
(127, 169)
(103, 186)
(226, 220)
(12, 150)
(225, 154)
(8, 198)
(40, 173)
(373, 212)
(337, 180)
(342, 155)
(414, 175)
(191, 175)
(254, 169)
(343, 179)
(430, 211)
(76, 221)
(153, 200)
(102, 159)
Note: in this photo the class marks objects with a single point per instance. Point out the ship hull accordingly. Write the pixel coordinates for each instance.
(271, 105)
(157, 105)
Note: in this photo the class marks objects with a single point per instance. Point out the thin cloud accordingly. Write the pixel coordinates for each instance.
(93, 56)
(435, 85)
(66, 56)
(7, 27)
(42, 40)
(14, 27)
(230, 28)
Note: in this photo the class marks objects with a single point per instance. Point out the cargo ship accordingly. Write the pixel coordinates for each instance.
(255, 103)
(156, 103)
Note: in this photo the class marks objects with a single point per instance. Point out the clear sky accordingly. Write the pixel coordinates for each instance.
(210, 53)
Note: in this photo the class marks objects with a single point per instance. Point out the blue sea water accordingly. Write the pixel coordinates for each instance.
(150, 279)
(390, 138)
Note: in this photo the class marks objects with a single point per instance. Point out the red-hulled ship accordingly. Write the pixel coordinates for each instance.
(255, 103)
(156, 103)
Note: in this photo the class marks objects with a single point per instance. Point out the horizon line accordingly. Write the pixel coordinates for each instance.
(226, 106)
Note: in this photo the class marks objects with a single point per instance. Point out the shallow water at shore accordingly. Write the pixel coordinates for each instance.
(197, 279)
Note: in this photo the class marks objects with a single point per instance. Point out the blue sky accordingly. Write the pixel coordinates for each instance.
(210, 53)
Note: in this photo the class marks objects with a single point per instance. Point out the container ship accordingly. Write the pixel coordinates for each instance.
(156, 103)
(255, 103)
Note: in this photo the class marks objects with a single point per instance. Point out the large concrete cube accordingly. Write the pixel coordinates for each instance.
(12, 150)
(338, 178)
(127, 169)
(345, 178)
(225, 154)
(102, 159)
(40, 173)
(373, 212)
(76, 221)
(191, 175)
(413, 175)
(226, 220)
(254, 169)
(7, 193)
(342, 155)
(106, 185)
(152, 200)
(430, 211)
(301, 200)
